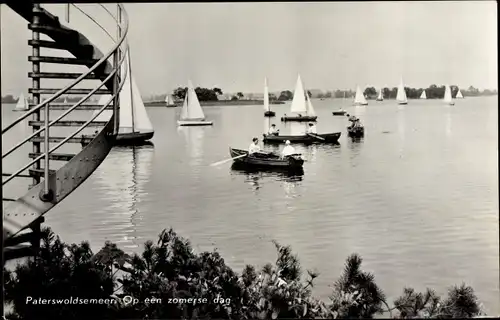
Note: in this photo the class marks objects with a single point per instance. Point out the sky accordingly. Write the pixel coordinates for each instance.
(335, 45)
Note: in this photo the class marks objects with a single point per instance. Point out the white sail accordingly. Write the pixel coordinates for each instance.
(299, 98)
(22, 103)
(423, 95)
(142, 123)
(459, 95)
(65, 100)
(359, 99)
(266, 96)
(105, 114)
(401, 96)
(167, 99)
(380, 96)
(447, 95)
(310, 109)
(131, 120)
(191, 110)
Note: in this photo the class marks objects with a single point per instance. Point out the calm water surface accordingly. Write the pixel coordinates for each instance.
(417, 198)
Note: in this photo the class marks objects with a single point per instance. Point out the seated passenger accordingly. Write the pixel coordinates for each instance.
(287, 150)
(312, 129)
(273, 130)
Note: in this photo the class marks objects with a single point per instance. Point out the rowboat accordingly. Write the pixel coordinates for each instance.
(328, 138)
(269, 160)
(286, 173)
(341, 112)
(299, 118)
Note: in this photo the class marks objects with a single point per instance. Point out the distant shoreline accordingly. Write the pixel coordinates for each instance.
(214, 103)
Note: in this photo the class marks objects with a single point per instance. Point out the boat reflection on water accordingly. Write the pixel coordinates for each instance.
(279, 173)
(121, 179)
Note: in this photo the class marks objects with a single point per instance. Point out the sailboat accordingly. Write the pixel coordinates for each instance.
(192, 113)
(65, 100)
(341, 111)
(423, 95)
(359, 99)
(380, 95)
(401, 95)
(447, 96)
(169, 101)
(301, 104)
(459, 95)
(267, 107)
(22, 103)
(135, 126)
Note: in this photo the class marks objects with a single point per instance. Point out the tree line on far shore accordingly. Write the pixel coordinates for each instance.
(206, 94)
(189, 285)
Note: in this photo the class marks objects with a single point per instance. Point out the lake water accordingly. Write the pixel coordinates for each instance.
(417, 198)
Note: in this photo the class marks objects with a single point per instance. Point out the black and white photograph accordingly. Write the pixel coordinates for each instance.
(250, 160)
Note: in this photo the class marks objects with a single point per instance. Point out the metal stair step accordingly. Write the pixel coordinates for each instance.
(66, 106)
(54, 156)
(40, 172)
(61, 46)
(50, 30)
(64, 75)
(62, 60)
(70, 91)
(80, 139)
(68, 123)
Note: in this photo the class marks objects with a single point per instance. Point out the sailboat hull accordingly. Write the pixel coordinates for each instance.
(133, 138)
(339, 113)
(269, 114)
(360, 104)
(379, 100)
(20, 109)
(194, 123)
(299, 119)
(402, 102)
(171, 105)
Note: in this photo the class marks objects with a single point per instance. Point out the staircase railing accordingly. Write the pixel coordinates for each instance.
(23, 211)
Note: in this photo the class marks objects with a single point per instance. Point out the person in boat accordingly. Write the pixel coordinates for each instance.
(273, 130)
(312, 128)
(288, 150)
(254, 149)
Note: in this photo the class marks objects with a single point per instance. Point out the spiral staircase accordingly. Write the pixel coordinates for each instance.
(54, 175)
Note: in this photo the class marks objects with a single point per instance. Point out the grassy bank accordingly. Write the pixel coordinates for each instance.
(215, 103)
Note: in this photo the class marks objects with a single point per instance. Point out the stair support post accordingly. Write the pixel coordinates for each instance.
(46, 194)
(116, 58)
(36, 85)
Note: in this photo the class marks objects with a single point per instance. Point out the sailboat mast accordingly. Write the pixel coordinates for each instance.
(131, 90)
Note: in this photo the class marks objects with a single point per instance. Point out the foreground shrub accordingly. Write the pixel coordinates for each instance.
(169, 270)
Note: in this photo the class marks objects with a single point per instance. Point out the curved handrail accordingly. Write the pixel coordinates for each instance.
(75, 106)
(77, 80)
(12, 176)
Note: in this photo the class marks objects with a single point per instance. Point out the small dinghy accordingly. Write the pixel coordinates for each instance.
(192, 113)
(306, 138)
(301, 105)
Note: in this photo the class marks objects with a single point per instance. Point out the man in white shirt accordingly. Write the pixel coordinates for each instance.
(287, 150)
(273, 130)
(312, 129)
(254, 147)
